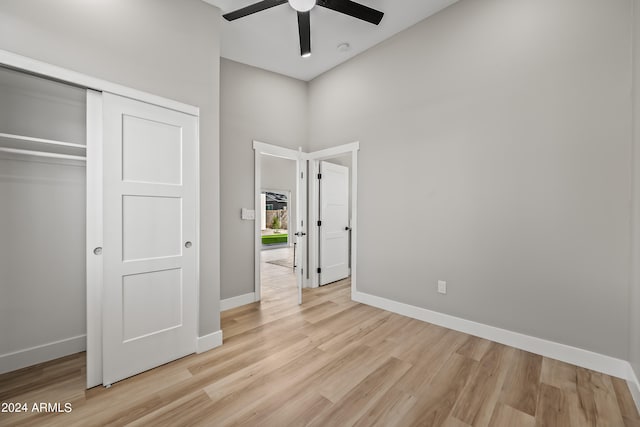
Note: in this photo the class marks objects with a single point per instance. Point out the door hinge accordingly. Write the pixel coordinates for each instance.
(319, 223)
(319, 176)
(319, 270)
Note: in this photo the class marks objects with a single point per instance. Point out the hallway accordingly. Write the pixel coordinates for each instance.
(278, 279)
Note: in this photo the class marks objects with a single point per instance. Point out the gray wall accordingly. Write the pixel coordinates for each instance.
(169, 48)
(42, 256)
(255, 105)
(503, 130)
(634, 295)
(280, 174)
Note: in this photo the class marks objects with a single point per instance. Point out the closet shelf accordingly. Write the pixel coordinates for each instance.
(29, 139)
(40, 147)
(42, 154)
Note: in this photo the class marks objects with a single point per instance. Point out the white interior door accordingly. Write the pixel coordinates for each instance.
(301, 233)
(150, 246)
(334, 220)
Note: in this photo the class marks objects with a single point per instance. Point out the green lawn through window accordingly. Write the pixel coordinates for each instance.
(271, 239)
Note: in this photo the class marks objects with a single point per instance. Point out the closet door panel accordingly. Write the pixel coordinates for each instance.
(140, 137)
(150, 256)
(151, 303)
(152, 227)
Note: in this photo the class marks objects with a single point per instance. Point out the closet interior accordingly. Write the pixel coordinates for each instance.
(42, 219)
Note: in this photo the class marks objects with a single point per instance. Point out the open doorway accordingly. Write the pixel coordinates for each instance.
(302, 231)
(334, 219)
(277, 267)
(333, 216)
(278, 221)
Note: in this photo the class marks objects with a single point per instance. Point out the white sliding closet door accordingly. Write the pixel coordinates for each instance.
(150, 256)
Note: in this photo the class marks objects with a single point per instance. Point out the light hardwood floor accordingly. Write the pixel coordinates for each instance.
(331, 362)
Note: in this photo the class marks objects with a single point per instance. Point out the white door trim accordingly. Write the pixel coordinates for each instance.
(314, 158)
(331, 152)
(23, 63)
(314, 188)
(264, 149)
(94, 221)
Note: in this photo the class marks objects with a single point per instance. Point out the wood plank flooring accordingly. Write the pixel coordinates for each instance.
(330, 362)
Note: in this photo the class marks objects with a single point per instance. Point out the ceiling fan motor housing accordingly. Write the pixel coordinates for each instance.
(302, 5)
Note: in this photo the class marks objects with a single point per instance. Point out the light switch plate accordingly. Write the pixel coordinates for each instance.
(248, 214)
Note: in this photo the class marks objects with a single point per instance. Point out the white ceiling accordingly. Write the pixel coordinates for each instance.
(269, 39)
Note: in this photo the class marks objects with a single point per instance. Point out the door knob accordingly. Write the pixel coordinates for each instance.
(347, 229)
(187, 245)
(97, 251)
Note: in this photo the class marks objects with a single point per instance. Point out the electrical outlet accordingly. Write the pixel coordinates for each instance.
(442, 286)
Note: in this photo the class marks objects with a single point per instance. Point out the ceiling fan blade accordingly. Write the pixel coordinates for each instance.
(304, 30)
(354, 9)
(253, 8)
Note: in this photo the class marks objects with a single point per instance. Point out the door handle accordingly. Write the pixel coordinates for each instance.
(300, 234)
(347, 228)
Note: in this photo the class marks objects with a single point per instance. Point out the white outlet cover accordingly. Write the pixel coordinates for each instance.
(442, 286)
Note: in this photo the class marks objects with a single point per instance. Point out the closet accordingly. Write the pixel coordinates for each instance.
(42, 219)
(98, 223)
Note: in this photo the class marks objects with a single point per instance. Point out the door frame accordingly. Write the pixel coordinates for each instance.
(311, 279)
(94, 221)
(264, 149)
(314, 236)
(94, 160)
(318, 217)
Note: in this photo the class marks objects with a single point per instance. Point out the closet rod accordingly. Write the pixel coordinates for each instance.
(41, 140)
(42, 154)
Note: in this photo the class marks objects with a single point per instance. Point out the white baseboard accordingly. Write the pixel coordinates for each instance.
(634, 386)
(42, 353)
(565, 353)
(209, 342)
(229, 303)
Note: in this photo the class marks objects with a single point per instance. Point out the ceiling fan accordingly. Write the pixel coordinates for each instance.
(303, 7)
